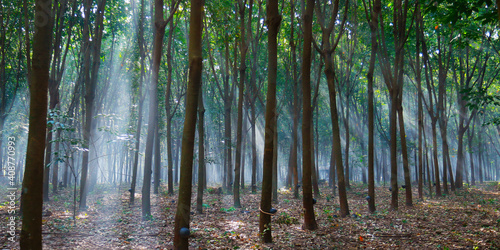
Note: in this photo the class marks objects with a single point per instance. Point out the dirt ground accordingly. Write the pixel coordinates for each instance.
(468, 219)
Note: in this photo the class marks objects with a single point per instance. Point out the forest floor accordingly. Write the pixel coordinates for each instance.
(467, 219)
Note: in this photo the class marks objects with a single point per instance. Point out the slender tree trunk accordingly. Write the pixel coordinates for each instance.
(254, 149)
(295, 128)
(373, 22)
(169, 116)
(307, 198)
(470, 137)
(274, 20)
(141, 103)
(227, 126)
(31, 231)
(92, 46)
(435, 158)
(157, 162)
(46, 169)
(418, 79)
(244, 151)
(55, 170)
(327, 54)
(137, 146)
(201, 154)
(88, 96)
(314, 176)
(406, 167)
(159, 34)
(393, 149)
(420, 147)
(346, 150)
(241, 90)
(182, 216)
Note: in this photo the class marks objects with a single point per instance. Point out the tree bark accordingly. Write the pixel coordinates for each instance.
(241, 89)
(372, 18)
(273, 23)
(420, 118)
(307, 197)
(182, 216)
(201, 154)
(157, 162)
(141, 103)
(327, 53)
(159, 34)
(254, 149)
(406, 167)
(92, 47)
(295, 128)
(31, 231)
(170, 166)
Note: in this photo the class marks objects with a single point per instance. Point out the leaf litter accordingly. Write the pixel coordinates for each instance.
(466, 219)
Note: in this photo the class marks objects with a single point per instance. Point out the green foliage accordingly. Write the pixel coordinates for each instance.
(478, 99)
(452, 11)
(228, 210)
(286, 219)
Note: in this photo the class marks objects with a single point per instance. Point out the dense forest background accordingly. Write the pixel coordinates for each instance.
(398, 93)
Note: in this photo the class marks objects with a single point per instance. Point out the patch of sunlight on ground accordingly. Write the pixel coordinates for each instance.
(233, 225)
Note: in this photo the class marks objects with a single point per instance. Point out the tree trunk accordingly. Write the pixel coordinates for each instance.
(307, 198)
(55, 169)
(254, 149)
(330, 79)
(182, 215)
(393, 148)
(201, 154)
(137, 146)
(273, 23)
(241, 90)
(420, 140)
(169, 116)
(314, 176)
(295, 128)
(244, 151)
(157, 162)
(46, 169)
(227, 126)
(91, 45)
(346, 150)
(373, 22)
(31, 231)
(159, 34)
(141, 103)
(406, 167)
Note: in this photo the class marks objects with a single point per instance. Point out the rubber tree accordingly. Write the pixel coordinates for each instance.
(292, 170)
(307, 196)
(141, 97)
(202, 174)
(91, 46)
(182, 215)
(32, 189)
(326, 52)
(372, 12)
(242, 5)
(392, 68)
(159, 34)
(273, 23)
